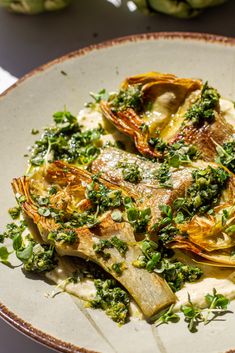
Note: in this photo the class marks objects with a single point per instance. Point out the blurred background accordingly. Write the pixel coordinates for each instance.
(27, 41)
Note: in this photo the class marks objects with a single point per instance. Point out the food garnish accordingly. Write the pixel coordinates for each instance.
(150, 213)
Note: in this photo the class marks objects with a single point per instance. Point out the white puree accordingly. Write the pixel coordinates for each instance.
(222, 279)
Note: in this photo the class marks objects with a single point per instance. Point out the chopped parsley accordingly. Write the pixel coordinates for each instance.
(158, 144)
(163, 175)
(14, 212)
(204, 193)
(20, 198)
(35, 257)
(12, 230)
(118, 268)
(177, 273)
(114, 242)
(120, 245)
(102, 196)
(44, 211)
(100, 248)
(138, 218)
(166, 227)
(203, 110)
(66, 220)
(131, 172)
(180, 153)
(53, 190)
(128, 98)
(111, 298)
(201, 197)
(156, 259)
(68, 236)
(76, 220)
(66, 141)
(176, 154)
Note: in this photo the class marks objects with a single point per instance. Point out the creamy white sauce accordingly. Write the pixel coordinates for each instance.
(84, 289)
(91, 118)
(222, 279)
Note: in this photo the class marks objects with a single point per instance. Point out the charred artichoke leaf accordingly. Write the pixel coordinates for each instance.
(213, 232)
(158, 110)
(146, 104)
(218, 258)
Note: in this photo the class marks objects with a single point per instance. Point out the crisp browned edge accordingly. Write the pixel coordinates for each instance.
(6, 314)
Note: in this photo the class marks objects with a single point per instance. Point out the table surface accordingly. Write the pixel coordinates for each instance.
(29, 41)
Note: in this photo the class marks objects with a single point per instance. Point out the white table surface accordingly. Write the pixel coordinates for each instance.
(29, 41)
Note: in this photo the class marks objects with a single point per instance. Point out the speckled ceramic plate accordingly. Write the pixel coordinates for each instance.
(59, 322)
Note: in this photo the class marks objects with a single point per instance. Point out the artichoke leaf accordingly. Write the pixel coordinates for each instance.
(217, 257)
(212, 232)
(154, 109)
(160, 97)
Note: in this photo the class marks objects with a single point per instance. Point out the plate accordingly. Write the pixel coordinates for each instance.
(61, 322)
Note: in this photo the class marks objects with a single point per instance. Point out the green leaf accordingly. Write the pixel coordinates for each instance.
(203, 110)
(26, 253)
(4, 254)
(174, 161)
(17, 242)
(102, 95)
(131, 172)
(216, 300)
(168, 316)
(120, 245)
(139, 219)
(193, 315)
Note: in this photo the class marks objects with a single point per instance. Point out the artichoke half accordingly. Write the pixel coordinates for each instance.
(31, 7)
(177, 8)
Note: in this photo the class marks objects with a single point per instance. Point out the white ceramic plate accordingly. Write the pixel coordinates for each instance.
(59, 322)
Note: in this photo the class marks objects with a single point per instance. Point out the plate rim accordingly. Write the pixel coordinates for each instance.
(25, 327)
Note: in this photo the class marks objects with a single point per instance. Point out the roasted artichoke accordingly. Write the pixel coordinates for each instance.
(31, 7)
(72, 186)
(155, 109)
(181, 9)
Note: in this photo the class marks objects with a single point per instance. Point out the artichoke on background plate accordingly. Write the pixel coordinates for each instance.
(32, 7)
(177, 8)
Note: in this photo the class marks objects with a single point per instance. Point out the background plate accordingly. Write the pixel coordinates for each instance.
(59, 322)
